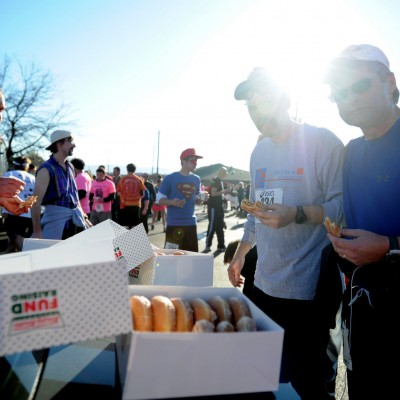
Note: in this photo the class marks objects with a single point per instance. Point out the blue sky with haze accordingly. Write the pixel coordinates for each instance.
(131, 68)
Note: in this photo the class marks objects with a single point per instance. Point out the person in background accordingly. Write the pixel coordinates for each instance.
(115, 203)
(157, 209)
(366, 94)
(10, 187)
(130, 189)
(152, 195)
(56, 189)
(19, 226)
(89, 172)
(216, 211)
(83, 184)
(107, 176)
(247, 196)
(144, 216)
(296, 172)
(249, 266)
(179, 191)
(102, 193)
(32, 169)
(241, 193)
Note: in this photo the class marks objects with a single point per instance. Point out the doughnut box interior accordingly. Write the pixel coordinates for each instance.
(155, 365)
(187, 269)
(55, 296)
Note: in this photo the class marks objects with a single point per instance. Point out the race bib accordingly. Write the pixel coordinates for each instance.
(99, 207)
(269, 196)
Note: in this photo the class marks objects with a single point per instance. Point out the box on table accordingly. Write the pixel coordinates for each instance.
(69, 292)
(156, 365)
(189, 269)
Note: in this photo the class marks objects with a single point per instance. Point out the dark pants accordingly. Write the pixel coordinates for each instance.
(144, 220)
(304, 346)
(115, 210)
(370, 313)
(71, 229)
(130, 216)
(15, 225)
(215, 225)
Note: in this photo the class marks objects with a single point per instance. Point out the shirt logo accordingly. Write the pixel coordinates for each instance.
(187, 189)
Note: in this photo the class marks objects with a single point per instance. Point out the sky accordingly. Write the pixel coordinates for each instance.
(146, 79)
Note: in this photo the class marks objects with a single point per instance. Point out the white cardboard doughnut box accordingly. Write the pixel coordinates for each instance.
(156, 365)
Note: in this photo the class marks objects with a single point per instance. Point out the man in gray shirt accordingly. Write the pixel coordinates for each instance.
(296, 171)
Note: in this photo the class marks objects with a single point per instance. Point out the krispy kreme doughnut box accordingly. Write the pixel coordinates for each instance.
(181, 267)
(156, 365)
(72, 291)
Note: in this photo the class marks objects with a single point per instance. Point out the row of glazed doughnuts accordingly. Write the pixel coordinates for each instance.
(175, 253)
(176, 314)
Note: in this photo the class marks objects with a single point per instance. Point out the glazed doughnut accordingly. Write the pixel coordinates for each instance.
(246, 324)
(221, 308)
(178, 253)
(159, 253)
(141, 313)
(224, 326)
(260, 206)
(203, 326)
(164, 319)
(202, 310)
(332, 227)
(29, 202)
(184, 314)
(239, 308)
(247, 205)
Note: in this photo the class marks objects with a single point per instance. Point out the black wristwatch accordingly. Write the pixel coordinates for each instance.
(393, 255)
(300, 217)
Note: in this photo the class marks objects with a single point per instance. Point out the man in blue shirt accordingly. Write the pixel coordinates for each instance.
(179, 191)
(56, 189)
(366, 94)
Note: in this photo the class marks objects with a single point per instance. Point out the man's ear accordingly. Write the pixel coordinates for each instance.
(286, 102)
(392, 82)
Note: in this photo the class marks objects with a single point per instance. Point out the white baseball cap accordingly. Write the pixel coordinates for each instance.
(58, 135)
(364, 52)
(358, 52)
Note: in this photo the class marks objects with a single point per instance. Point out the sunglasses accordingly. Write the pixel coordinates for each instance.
(262, 90)
(192, 160)
(359, 87)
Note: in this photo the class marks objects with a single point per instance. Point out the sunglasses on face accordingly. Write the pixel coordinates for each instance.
(192, 160)
(262, 90)
(359, 87)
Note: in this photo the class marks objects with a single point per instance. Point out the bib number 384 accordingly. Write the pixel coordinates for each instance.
(270, 196)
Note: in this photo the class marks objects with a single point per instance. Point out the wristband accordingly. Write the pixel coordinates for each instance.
(393, 255)
(393, 243)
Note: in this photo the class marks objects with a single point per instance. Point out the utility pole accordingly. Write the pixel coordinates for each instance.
(158, 150)
(152, 163)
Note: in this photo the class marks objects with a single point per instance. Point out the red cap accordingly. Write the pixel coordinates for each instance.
(189, 153)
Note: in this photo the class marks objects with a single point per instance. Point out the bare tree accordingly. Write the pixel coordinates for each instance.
(32, 110)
